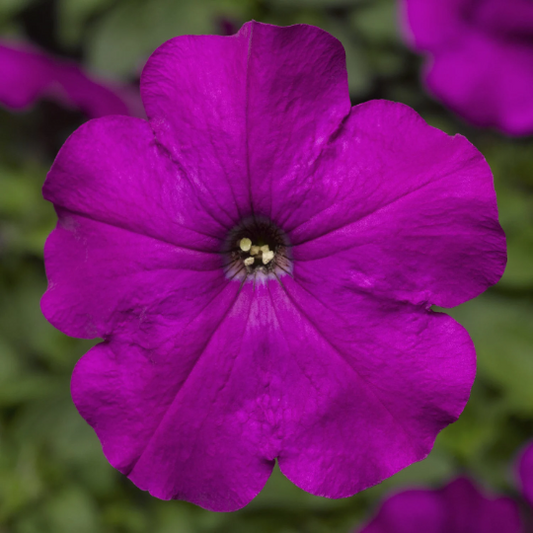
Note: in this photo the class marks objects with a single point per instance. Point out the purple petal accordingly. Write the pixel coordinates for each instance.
(126, 209)
(179, 410)
(430, 24)
(217, 389)
(471, 511)
(257, 106)
(359, 373)
(28, 74)
(122, 276)
(525, 473)
(457, 508)
(487, 82)
(399, 209)
(481, 58)
(413, 511)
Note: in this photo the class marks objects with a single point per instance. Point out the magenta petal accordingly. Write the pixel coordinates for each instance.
(112, 170)
(399, 209)
(412, 511)
(525, 473)
(457, 508)
(480, 58)
(28, 75)
(470, 510)
(178, 410)
(123, 278)
(361, 374)
(430, 24)
(141, 233)
(459, 77)
(279, 104)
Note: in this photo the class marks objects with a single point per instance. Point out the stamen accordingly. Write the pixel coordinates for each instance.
(257, 250)
(245, 244)
(267, 256)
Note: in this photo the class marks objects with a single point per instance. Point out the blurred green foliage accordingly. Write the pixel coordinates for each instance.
(53, 475)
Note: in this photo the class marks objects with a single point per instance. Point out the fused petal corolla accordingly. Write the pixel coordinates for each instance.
(260, 260)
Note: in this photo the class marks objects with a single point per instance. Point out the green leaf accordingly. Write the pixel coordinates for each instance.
(8, 8)
(72, 510)
(25, 218)
(121, 42)
(376, 21)
(513, 167)
(72, 16)
(502, 331)
(359, 73)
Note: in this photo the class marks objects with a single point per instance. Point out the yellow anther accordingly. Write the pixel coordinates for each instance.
(254, 250)
(249, 261)
(267, 257)
(245, 244)
(265, 248)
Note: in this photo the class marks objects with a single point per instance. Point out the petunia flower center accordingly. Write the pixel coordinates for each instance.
(257, 249)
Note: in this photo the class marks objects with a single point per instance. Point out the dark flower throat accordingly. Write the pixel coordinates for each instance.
(257, 248)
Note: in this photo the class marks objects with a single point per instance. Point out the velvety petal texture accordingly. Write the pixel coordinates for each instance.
(259, 135)
(333, 363)
(29, 74)
(480, 58)
(457, 508)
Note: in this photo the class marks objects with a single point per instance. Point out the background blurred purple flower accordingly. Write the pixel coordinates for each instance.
(459, 507)
(28, 74)
(480, 58)
(260, 259)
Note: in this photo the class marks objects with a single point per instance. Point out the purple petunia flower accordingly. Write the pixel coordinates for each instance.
(28, 74)
(459, 507)
(481, 58)
(260, 259)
